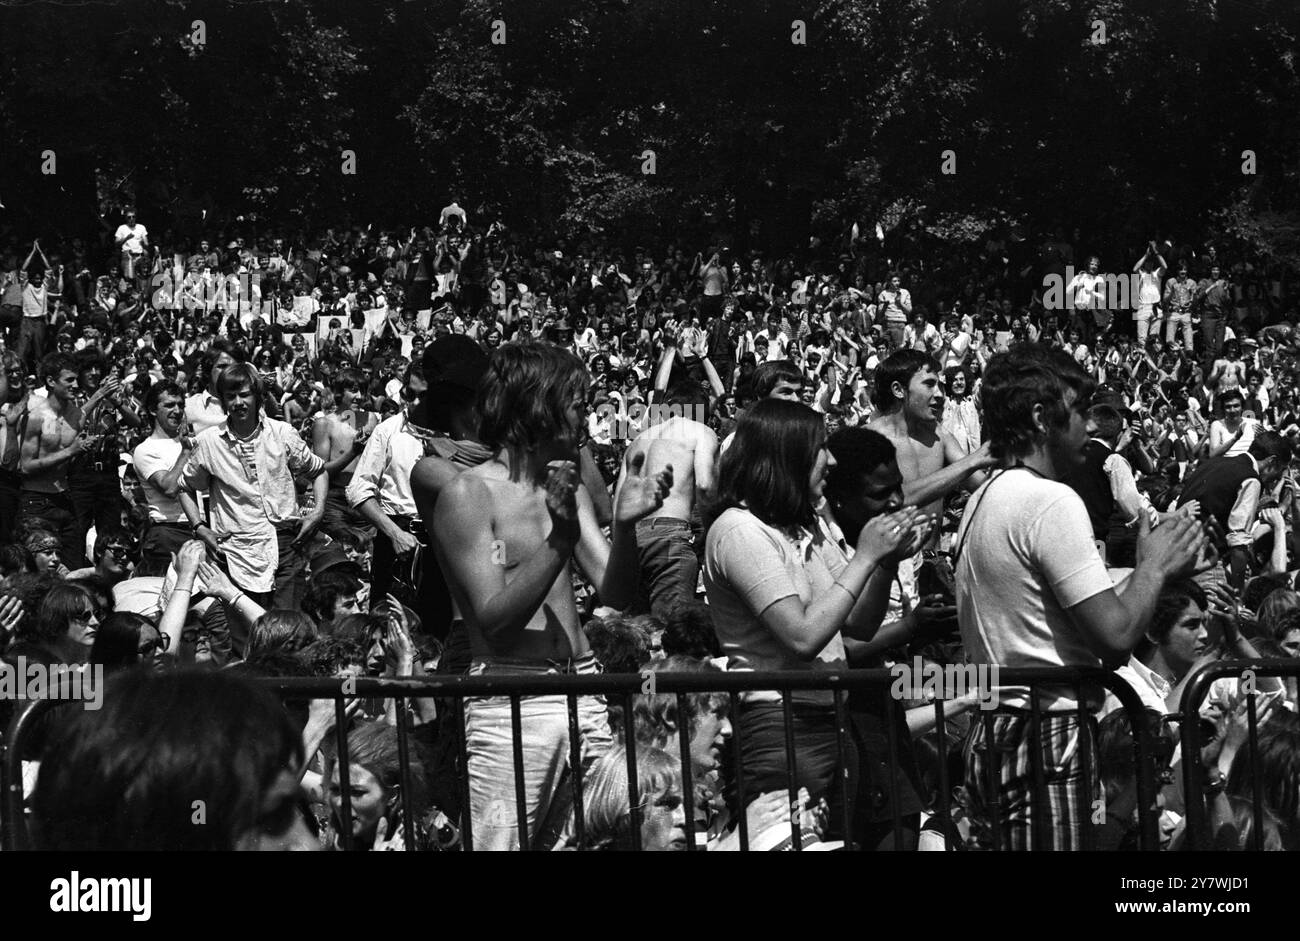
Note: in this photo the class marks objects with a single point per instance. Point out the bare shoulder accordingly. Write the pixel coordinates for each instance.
(36, 414)
(432, 474)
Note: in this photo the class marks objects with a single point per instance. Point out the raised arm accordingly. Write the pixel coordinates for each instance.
(927, 489)
(1112, 622)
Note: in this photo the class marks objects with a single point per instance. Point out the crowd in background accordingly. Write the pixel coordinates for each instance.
(241, 455)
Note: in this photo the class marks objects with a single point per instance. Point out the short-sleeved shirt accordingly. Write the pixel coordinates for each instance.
(749, 566)
(152, 456)
(134, 236)
(1024, 556)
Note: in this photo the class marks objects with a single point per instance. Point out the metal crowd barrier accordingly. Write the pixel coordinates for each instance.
(1194, 693)
(624, 688)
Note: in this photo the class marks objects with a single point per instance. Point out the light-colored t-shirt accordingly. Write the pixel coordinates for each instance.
(749, 566)
(152, 456)
(134, 236)
(1024, 556)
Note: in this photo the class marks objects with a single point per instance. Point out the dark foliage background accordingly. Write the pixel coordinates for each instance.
(757, 140)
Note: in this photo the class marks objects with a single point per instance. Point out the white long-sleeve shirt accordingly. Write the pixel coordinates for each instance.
(383, 471)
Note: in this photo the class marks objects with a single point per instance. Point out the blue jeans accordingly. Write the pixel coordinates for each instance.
(670, 569)
(55, 512)
(544, 727)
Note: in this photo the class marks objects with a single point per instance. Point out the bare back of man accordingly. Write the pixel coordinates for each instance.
(690, 448)
(666, 544)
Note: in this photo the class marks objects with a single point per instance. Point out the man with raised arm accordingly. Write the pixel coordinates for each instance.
(506, 534)
(910, 401)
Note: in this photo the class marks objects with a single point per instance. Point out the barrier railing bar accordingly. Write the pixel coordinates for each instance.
(945, 785)
(792, 774)
(633, 784)
(517, 746)
(458, 688)
(575, 769)
(1087, 836)
(841, 734)
(404, 769)
(688, 791)
(462, 734)
(892, 734)
(345, 777)
(739, 769)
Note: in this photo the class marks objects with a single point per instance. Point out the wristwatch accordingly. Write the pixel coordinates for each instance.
(1214, 783)
(195, 527)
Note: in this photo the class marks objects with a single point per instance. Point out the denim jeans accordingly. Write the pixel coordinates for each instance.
(544, 724)
(1177, 318)
(57, 516)
(670, 568)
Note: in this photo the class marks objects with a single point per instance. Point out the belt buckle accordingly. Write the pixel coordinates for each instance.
(98, 466)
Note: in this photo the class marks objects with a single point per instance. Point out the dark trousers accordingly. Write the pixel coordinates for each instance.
(96, 500)
(55, 513)
(31, 343)
(1212, 324)
(818, 767)
(11, 498)
(11, 318)
(290, 584)
(670, 568)
(416, 581)
(160, 541)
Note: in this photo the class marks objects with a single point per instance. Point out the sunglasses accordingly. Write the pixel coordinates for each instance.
(161, 644)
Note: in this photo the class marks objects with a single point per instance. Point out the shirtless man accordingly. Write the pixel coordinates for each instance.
(14, 401)
(933, 463)
(338, 437)
(670, 566)
(1229, 372)
(506, 534)
(53, 436)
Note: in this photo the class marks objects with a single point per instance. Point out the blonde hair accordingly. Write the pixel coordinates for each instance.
(607, 810)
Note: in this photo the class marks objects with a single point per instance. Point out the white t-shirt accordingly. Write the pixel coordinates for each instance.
(151, 456)
(134, 235)
(1024, 555)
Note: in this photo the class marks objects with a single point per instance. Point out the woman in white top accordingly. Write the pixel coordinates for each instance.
(780, 592)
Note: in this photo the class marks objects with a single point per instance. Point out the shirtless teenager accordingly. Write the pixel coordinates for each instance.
(51, 437)
(910, 400)
(670, 566)
(506, 533)
(338, 437)
(14, 402)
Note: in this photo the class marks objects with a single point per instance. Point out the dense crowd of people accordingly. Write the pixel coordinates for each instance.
(450, 449)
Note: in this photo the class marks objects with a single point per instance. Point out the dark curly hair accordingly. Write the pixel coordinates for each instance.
(1020, 379)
